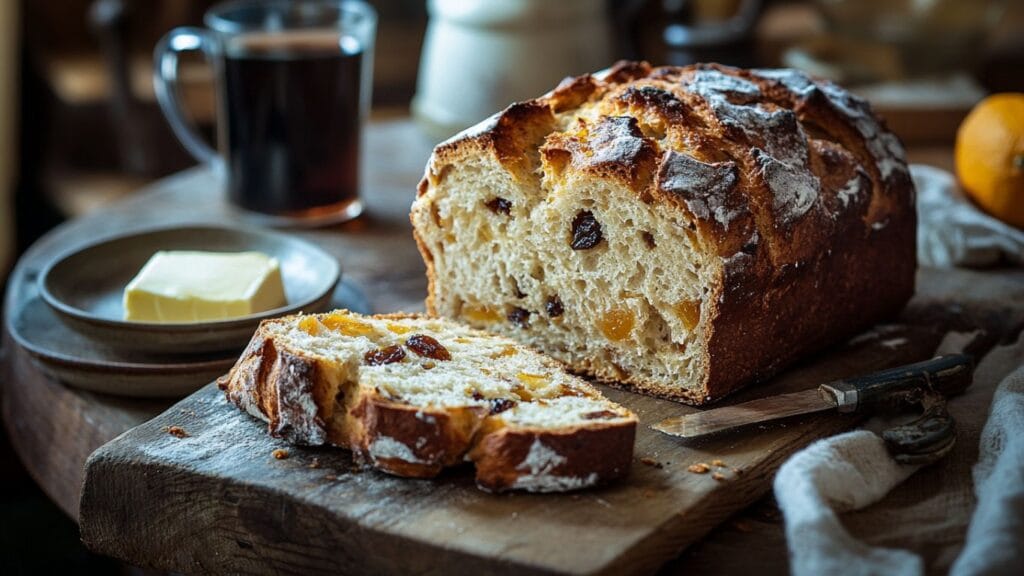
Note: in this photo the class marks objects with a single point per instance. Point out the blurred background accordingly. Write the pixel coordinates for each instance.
(80, 127)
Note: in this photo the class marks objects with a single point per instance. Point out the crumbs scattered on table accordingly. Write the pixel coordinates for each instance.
(280, 453)
(315, 463)
(737, 471)
(699, 468)
(330, 477)
(719, 476)
(651, 462)
(718, 463)
(176, 431)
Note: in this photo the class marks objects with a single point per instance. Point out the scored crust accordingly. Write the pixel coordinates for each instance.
(312, 396)
(777, 210)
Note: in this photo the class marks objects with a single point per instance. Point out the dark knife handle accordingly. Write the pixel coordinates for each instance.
(904, 385)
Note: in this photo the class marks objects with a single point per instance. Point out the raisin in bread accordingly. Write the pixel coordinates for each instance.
(412, 395)
(680, 230)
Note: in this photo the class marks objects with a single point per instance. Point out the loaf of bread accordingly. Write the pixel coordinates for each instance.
(412, 395)
(683, 231)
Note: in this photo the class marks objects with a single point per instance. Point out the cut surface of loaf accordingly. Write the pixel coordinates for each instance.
(683, 231)
(412, 395)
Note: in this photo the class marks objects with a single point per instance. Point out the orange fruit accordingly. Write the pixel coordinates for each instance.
(990, 156)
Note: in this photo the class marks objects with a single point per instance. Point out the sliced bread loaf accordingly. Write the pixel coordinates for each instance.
(684, 231)
(411, 395)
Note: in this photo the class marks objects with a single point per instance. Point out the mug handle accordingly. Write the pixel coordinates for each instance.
(165, 84)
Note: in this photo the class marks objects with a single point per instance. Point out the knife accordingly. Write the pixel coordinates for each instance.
(924, 384)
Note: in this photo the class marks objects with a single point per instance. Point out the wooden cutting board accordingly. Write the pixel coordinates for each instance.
(217, 500)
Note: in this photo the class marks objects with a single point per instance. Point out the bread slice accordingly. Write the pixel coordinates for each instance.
(683, 231)
(412, 395)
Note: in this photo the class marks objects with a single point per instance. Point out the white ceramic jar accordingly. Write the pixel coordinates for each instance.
(481, 55)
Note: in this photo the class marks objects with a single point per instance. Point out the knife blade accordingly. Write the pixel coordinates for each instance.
(904, 385)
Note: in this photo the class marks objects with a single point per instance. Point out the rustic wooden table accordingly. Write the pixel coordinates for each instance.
(54, 428)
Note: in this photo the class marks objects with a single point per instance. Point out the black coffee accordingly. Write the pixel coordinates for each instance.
(290, 123)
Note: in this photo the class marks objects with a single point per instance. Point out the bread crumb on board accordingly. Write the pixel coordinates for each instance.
(719, 476)
(280, 453)
(177, 431)
(651, 462)
(699, 468)
(315, 463)
(718, 463)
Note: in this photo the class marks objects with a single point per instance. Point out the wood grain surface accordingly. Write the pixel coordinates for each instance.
(55, 428)
(147, 490)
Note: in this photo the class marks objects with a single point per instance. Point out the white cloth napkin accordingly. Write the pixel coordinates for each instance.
(853, 470)
(995, 538)
(951, 231)
(844, 472)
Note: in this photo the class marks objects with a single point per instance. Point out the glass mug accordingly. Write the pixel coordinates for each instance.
(293, 86)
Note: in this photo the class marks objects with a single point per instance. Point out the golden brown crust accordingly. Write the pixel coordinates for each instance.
(588, 457)
(283, 387)
(303, 401)
(793, 182)
(435, 439)
(513, 136)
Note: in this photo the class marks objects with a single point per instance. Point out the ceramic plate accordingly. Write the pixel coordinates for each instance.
(85, 287)
(86, 363)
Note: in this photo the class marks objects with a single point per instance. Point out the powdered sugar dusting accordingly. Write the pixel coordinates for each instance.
(794, 188)
(711, 84)
(890, 161)
(703, 187)
(783, 156)
(795, 80)
(298, 421)
(736, 264)
(387, 448)
(777, 128)
(884, 146)
(616, 139)
(850, 105)
(549, 483)
(541, 459)
(851, 190)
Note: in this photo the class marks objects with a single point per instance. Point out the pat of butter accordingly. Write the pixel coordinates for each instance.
(182, 286)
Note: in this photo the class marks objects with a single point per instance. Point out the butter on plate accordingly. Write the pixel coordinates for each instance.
(190, 286)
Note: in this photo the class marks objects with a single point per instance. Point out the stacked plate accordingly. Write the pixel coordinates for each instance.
(74, 326)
